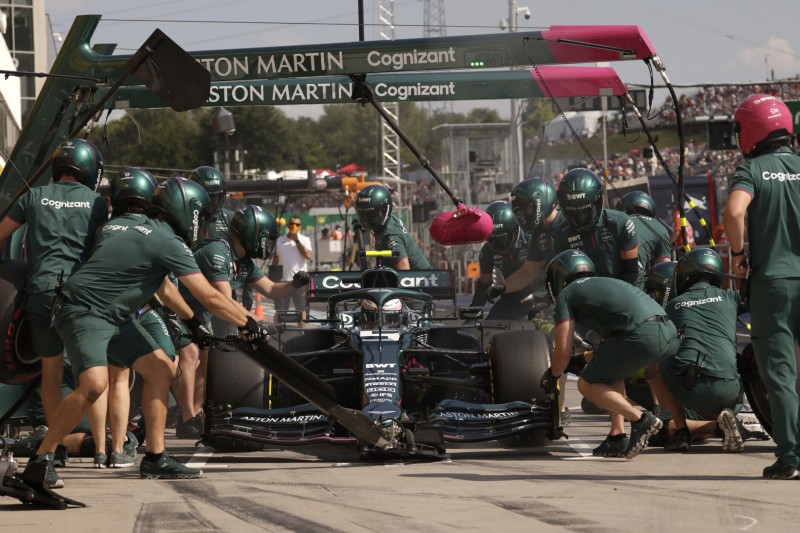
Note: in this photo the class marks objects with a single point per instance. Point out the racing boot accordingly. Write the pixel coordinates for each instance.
(681, 441)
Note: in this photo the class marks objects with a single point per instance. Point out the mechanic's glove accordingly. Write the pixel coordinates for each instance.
(173, 323)
(200, 333)
(495, 291)
(549, 382)
(257, 332)
(301, 279)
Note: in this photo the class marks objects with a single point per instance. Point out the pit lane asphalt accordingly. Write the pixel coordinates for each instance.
(559, 487)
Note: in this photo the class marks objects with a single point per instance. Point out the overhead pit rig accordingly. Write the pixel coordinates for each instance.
(317, 73)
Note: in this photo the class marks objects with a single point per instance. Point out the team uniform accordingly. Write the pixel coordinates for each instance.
(394, 236)
(654, 243)
(706, 317)
(613, 233)
(509, 305)
(62, 219)
(151, 320)
(98, 301)
(219, 226)
(773, 225)
(635, 329)
(218, 262)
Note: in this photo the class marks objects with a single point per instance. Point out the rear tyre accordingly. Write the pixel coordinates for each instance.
(518, 359)
(18, 364)
(754, 388)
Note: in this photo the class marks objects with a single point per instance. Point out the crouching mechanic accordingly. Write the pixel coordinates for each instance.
(506, 251)
(94, 310)
(702, 376)
(228, 265)
(635, 332)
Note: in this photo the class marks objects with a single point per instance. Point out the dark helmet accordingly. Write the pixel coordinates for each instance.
(659, 283)
(533, 200)
(638, 202)
(700, 262)
(184, 205)
(213, 182)
(580, 195)
(506, 229)
(373, 207)
(257, 230)
(566, 267)
(132, 184)
(760, 120)
(80, 158)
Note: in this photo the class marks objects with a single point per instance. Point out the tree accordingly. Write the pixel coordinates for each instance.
(167, 142)
(350, 134)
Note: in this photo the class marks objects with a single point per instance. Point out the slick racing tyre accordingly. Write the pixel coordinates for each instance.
(517, 362)
(754, 388)
(18, 364)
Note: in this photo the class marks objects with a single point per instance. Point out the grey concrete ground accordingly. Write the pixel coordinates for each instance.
(481, 488)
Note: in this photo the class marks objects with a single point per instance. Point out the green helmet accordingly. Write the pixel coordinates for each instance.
(700, 262)
(638, 202)
(506, 229)
(184, 205)
(659, 283)
(257, 230)
(580, 195)
(132, 186)
(566, 267)
(79, 158)
(373, 207)
(533, 200)
(213, 182)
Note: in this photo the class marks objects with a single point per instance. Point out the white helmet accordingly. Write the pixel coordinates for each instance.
(391, 313)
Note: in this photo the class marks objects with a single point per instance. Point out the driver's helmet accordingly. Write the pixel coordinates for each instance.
(580, 195)
(392, 311)
(760, 120)
(659, 283)
(506, 230)
(698, 263)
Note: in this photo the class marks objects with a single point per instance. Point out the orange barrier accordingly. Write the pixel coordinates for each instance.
(259, 307)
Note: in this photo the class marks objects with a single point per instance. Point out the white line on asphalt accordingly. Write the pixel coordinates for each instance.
(200, 458)
(583, 450)
(748, 526)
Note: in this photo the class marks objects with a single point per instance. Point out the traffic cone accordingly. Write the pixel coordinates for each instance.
(259, 307)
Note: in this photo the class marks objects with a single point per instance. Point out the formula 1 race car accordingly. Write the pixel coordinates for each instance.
(423, 380)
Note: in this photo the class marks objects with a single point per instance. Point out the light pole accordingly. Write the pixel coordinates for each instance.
(222, 122)
(517, 159)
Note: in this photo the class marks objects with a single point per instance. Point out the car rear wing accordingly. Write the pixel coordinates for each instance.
(438, 284)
